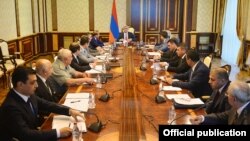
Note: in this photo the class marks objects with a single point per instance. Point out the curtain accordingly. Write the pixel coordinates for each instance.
(241, 27)
(220, 15)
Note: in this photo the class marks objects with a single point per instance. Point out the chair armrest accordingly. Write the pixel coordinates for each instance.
(17, 52)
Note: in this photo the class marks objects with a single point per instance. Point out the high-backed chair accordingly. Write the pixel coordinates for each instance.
(208, 61)
(131, 29)
(7, 69)
(15, 59)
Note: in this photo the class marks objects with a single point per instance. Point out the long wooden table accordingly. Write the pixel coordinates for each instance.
(132, 113)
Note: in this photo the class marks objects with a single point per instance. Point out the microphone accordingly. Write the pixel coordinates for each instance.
(203, 106)
(160, 98)
(96, 126)
(105, 97)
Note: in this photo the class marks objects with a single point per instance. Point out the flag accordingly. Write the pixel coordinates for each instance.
(114, 28)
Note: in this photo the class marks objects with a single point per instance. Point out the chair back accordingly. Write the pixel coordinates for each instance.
(208, 60)
(131, 29)
(4, 48)
(227, 67)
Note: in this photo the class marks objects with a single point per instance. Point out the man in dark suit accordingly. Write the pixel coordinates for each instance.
(171, 56)
(77, 62)
(125, 35)
(196, 79)
(239, 98)
(219, 82)
(18, 113)
(180, 66)
(95, 41)
(45, 90)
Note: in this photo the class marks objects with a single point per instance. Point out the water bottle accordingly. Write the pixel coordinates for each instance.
(161, 92)
(76, 134)
(171, 114)
(104, 67)
(91, 101)
(98, 81)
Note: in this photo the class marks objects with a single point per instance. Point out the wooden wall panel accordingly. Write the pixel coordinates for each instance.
(135, 14)
(27, 47)
(152, 16)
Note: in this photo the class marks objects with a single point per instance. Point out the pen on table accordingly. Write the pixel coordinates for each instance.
(75, 101)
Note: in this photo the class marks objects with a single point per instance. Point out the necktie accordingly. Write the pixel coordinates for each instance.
(126, 36)
(47, 85)
(191, 75)
(77, 60)
(31, 107)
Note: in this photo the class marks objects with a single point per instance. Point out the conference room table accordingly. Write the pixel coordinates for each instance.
(131, 113)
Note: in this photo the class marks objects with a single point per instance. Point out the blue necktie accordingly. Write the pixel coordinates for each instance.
(31, 107)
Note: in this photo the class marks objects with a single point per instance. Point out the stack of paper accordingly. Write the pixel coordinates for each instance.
(154, 53)
(189, 101)
(97, 69)
(78, 101)
(171, 88)
(177, 96)
(61, 121)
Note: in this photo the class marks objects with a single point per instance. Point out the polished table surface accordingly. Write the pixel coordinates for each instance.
(131, 113)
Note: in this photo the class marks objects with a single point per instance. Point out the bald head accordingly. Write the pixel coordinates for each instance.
(65, 56)
(44, 68)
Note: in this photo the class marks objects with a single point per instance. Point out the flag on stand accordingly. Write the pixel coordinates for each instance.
(114, 28)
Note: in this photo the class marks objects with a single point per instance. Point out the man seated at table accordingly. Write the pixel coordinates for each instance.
(196, 79)
(126, 36)
(162, 47)
(238, 94)
(95, 42)
(219, 82)
(18, 113)
(64, 74)
(84, 53)
(77, 62)
(170, 56)
(180, 66)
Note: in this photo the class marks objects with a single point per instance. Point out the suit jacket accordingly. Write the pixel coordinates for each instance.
(228, 117)
(198, 84)
(95, 42)
(17, 119)
(85, 56)
(79, 65)
(219, 104)
(170, 56)
(181, 67)
(43, 92)
(130, 36)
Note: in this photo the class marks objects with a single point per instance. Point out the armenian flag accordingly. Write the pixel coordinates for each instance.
(114, 28)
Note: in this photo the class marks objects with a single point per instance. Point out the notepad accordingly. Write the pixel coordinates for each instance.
(189, 101)
(77, 95)
(154, 53)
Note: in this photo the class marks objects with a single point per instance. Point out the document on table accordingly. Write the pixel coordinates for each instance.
(171, 88)
(154, 53)
(190, 101)
(60, 121)
(177, 96)
(97, 69)
(78, 101)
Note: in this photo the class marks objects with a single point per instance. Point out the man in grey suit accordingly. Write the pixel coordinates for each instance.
(239, 98)
(219, 82)
(84, 55)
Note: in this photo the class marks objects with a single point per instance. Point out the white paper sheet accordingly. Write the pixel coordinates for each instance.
(174, 96)
(171, 88)
(78, 104)
(61, 121)
(154, 53)
(190, 101)
(77, 95)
